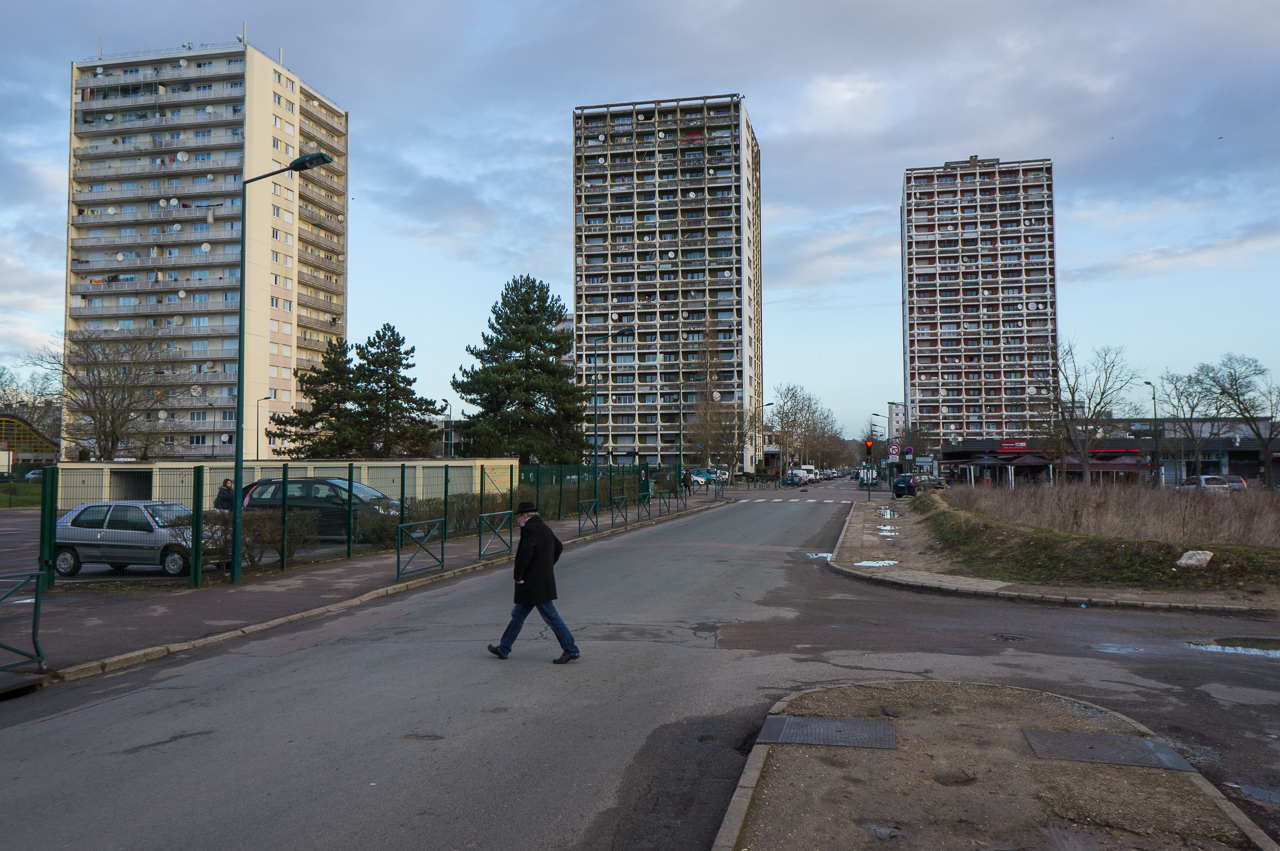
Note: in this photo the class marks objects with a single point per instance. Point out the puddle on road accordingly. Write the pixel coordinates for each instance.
(875, 564)
(827, 556)
(888, 513)
(1269, 647)
(1113, 648)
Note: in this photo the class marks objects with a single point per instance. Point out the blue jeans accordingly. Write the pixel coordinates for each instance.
(550, 615)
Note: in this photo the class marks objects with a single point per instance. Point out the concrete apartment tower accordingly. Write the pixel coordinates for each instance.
(160, 142)
(979, 296)
(666, 202)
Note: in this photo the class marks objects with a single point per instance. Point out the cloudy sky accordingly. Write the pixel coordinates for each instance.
(1162, 119)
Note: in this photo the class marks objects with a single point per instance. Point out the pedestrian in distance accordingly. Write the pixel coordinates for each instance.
(223, 501)
(535, 579)
(688, 483)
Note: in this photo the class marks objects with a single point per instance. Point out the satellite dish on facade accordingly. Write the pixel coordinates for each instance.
(163, 203)
(160, 415)
(177, 227)
(111, 211)
(177, 320)
(613, 316)
(209, 177)
(109, 117)
(728, 273)
(119, 255)
(601, 137)
(206, 248)
(715, 394)
(208, 110)
(173, 202)
(182, 62)
(341, 218)
(225, 438)
(195, 390)
(208, 364)
(183, 156)
(661, 135)
(692, 194)
(182, 293)
(671, 255)
(98, 70)
(600, 160)
(342, 258)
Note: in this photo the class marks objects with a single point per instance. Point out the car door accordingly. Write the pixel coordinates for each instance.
(331, 504)
(84, 532)
(129, 537)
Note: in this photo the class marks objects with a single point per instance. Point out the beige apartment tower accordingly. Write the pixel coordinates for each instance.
(666, 202)
(160, 142)
(979, 296)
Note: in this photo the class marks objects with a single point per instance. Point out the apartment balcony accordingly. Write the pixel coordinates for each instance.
(319, 260)
(131, 263)
(168, 98)
(122, 287)
(321, 118)
(317, 281)
(118, 128)
(155, 239)
(308, 129)
(87, 175)
(116, 196)
(320, 304)
(315, 178)
(313, 238)
(119, 311)
(328, 222)
(333, 205)
(119, 149)
(322, 324)
(316, 345)
(171, 332)
(92, 80)
(180, 215)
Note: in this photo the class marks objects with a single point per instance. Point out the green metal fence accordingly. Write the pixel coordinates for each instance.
(13, 618)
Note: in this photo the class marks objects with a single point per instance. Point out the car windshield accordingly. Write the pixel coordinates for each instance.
(168, 514)
(364, 492)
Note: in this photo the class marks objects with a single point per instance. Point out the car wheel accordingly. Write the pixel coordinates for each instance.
(119, 568)
(66, 562)
(173, 562)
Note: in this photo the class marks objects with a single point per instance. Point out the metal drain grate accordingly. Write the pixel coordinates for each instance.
(1105, 748)
(840, 732)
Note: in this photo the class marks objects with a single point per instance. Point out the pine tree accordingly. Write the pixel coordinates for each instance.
(528, 403)
(323, 429)
(390, 417)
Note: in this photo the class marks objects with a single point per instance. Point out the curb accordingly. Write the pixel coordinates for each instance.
(1054, 599)
(735, 816)
(137, 657)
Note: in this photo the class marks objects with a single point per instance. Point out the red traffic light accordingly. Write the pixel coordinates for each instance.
(869, 443)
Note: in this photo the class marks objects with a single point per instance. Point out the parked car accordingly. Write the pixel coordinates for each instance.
(910, 484)
(1236, 483)
(1211, 484)
(326, 497)
(34, 476)
(121, 534)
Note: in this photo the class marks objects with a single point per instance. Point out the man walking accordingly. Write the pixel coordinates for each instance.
(536, 556)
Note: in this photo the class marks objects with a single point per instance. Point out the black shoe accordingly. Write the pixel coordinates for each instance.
(565, 657)
(497, 651)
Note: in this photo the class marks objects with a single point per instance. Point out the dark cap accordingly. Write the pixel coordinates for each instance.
(526, 508)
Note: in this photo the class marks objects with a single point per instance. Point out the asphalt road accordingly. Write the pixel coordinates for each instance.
(392, 727)
(19, 539)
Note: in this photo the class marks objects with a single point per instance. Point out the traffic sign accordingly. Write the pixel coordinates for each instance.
(893, 450)
(910, 450)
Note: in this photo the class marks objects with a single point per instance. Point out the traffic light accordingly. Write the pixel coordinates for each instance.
(869, 444)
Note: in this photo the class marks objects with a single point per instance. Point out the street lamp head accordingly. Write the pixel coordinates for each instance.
(309, 161)
(1148, 383)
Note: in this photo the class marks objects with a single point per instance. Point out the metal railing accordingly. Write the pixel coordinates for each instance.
(644, 506)
(588, 515)
(487, 525)
(23, 580)
(618, 508)
(420, 534)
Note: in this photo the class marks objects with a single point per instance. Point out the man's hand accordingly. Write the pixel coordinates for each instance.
(519, 581)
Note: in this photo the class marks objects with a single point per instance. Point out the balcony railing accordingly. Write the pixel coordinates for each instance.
(121, 149)
(125, 126)
(320, 117)
(115, 196)
(334, 205)
(82, 287)
(196, 166)
(154, 262)
(329, 223)
(182, 237)
(319, 260)
(182, 214)
(323, 241)
(118, 103)
(320, 304)
(319, 282)
(167, 309)
(323, 139)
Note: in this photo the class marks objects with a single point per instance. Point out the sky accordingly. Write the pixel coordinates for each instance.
(1161, 119)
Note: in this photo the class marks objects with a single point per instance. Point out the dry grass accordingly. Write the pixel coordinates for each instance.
(1187, 519)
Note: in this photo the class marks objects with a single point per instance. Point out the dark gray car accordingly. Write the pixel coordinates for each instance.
(123, 533)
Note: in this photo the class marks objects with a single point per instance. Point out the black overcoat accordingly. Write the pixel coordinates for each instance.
(536, 557)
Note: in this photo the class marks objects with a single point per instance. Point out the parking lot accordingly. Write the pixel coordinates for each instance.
(19, 539)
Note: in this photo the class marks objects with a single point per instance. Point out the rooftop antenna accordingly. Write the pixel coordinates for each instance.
(244, 33)
(282, 56)
(99, 47)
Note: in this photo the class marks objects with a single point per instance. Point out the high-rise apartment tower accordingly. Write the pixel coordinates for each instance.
(666, 203)
(979, 296)
(160, 142)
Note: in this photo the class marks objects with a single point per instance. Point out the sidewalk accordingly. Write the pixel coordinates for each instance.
(913, 764)
(86, 631)
(883, 542)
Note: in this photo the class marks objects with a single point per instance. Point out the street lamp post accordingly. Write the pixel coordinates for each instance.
(302, 163)
(595, 409)
(258, 423)
(448, 428)
(1155, 428)
(761, 408)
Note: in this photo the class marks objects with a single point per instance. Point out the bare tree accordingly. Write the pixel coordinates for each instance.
(1245, 388)
(1084, 402)
(1196, 409)
(791, 419)
(35, 397)
(114, 386)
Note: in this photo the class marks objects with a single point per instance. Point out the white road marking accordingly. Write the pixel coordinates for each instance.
(793, 500)
(810, 500)
(762, 500)
(828, 500)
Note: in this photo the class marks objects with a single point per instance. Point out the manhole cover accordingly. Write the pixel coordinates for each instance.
(840, 732)
(1008, 636)
(1105, 748)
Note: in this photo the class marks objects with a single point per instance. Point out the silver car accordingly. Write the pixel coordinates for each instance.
(1206, 484)
(123, 533)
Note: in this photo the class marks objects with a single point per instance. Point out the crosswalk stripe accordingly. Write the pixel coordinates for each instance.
(828, 500)
(777, 500)
(810, 500)
(793, 500)
(845, 501)
(761, 500)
